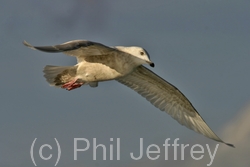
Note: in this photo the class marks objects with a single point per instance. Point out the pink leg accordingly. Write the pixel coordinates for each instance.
(72, 85)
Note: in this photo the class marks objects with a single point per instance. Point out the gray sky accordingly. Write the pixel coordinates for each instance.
(202, 47)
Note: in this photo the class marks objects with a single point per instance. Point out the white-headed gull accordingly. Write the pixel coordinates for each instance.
(97, 62)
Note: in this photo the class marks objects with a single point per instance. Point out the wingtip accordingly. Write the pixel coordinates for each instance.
(231, 145)
(28, 45)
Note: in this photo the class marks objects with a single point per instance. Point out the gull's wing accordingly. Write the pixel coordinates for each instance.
(167, 98)
(77, 48)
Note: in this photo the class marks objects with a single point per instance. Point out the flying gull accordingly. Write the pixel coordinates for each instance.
(97, 62)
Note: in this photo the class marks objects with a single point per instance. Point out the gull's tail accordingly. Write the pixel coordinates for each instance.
(59, 75)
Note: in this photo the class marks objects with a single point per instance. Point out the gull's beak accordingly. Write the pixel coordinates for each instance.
(151, 63)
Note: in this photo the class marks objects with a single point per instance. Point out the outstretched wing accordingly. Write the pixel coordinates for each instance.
(167, 98)
(77, 48)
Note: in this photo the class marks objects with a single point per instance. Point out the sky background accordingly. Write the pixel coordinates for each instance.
(201, 47)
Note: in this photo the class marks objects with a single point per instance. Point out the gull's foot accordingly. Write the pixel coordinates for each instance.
(72, 85)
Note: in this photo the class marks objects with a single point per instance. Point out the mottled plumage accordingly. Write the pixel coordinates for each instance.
(97, 62)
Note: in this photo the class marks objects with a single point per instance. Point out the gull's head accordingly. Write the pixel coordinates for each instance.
(140, 54)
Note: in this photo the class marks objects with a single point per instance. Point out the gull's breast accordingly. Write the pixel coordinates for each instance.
(104, 67)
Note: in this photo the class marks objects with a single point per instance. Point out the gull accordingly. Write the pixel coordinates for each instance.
(97, 62)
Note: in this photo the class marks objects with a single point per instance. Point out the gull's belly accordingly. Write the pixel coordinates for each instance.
(93, 72)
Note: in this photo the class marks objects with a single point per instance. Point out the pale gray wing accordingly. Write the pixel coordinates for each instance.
(167, 98)
(77, 48)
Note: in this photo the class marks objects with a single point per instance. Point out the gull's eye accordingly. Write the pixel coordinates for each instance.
(141, 52)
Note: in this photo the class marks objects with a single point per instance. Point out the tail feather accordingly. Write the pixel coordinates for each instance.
(59, 75)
